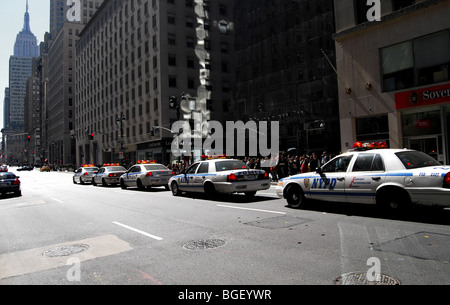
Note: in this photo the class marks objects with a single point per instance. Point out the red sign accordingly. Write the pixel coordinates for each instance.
(423, 97)
(422, 124)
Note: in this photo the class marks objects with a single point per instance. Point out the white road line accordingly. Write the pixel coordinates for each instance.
(138, 231)
(257, 210)
(57, 200)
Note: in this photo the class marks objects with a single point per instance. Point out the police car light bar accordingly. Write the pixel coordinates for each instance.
(87, 165)
(111, 164)
(209, 157)
(146, 161)
(365, 146)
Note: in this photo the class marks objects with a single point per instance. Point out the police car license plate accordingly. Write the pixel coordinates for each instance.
(250, 177)
(5, 184)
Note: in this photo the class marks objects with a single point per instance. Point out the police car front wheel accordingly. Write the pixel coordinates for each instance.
(175, 189)
(294, 196)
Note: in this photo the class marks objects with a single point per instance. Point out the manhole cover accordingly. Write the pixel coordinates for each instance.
(65, 250)
(360, 278)
(204, 244)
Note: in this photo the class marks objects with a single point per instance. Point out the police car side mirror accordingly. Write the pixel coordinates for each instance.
(319, 170)
(183, 172)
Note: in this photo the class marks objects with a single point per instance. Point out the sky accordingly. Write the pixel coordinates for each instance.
(11, 23)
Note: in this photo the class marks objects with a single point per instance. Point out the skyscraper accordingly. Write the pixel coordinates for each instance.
(26, 43)
(25, 48)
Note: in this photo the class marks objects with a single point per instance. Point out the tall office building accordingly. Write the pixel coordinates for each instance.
(132, 57)
(20, 66)
(284, 65)
(26, 42)
(66, 23)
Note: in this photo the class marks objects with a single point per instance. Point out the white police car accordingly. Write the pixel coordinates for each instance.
(108, 174)
(390, 178)
(220, 175)
(84, 174)
(146, 174)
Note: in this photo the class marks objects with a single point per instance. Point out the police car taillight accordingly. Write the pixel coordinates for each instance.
(149, 174)
(232, 178)
(16, 182)
(447, 181)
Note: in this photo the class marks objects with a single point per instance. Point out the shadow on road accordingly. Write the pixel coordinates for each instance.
(418, 214)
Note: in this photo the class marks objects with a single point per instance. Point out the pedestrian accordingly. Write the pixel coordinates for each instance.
(325, 158)
(314, 162)
(305, 165)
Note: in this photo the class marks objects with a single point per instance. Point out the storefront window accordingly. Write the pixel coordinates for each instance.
(421, 123)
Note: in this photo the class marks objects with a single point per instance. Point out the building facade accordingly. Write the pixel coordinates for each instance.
(66, 23)
(132, 57)
(394, 74)
(284, 64)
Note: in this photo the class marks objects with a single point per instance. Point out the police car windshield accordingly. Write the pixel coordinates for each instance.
(91, 169)
(228, 165)
(153, 167)
(416, 159)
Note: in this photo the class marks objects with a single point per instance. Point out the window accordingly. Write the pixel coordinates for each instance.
(366, 163)
(192, 169)
(203, 169)
(418, 62)
(337, 165)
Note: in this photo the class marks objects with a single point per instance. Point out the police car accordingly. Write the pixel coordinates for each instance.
(108, 174)
(146, 174)
(85, 174)
(220, 175)
(373, 174)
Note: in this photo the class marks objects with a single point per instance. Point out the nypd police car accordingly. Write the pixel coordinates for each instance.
(146, 174)
(84, 174)
(108, 174)
(373, 174)
(220, 175)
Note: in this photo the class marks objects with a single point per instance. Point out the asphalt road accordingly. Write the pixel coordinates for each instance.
(59, 233)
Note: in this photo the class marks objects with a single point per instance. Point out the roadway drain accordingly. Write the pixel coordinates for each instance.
(360, 278)
(203, 244)
(66, 250)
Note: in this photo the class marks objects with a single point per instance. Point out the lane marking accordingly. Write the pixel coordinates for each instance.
(57, 200)
(138, 231)
(249, 209)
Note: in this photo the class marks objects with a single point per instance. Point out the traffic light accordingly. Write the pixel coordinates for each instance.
(91, 136)
(173, 102)
(29, 138)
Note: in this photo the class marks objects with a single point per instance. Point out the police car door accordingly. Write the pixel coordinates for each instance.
(367, 173)
(131, 176)
(186, 182)
(329, 183)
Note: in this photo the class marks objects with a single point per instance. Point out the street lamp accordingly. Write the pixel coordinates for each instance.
(119, 121)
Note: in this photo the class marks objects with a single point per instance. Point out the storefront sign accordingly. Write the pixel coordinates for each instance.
(423, 124)
(423, 97)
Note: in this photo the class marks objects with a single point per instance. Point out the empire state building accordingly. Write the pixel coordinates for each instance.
(20, 70)
(26, 43)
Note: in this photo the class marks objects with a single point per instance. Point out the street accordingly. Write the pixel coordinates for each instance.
(60, 233)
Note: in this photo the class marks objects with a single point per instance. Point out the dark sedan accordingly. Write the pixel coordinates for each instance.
(25, 168)
(10, 183)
